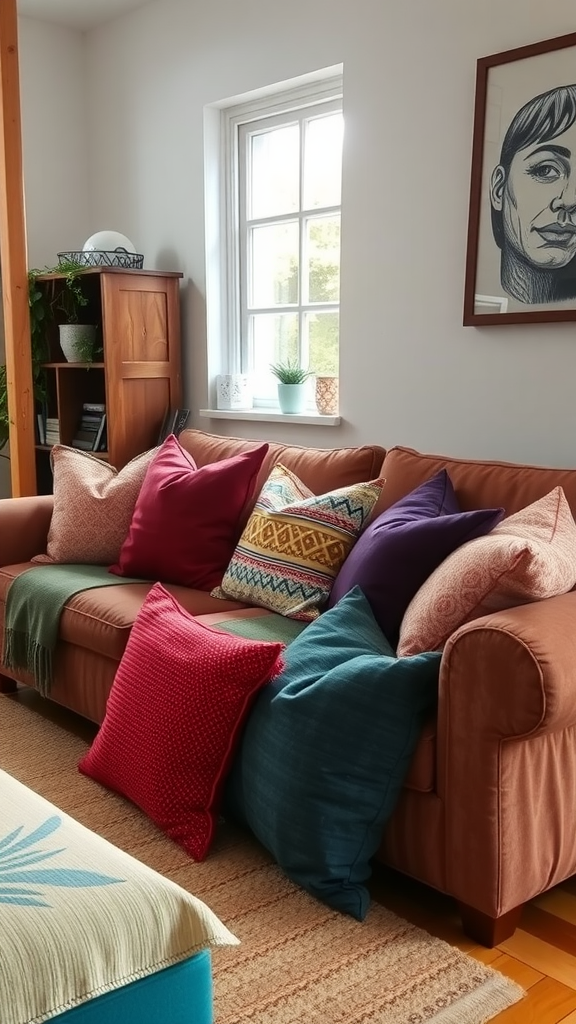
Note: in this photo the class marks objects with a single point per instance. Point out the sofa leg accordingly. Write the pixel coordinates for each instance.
(8, 685)
(489, 931)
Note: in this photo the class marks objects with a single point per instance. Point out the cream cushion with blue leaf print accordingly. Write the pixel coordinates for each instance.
(79, 917)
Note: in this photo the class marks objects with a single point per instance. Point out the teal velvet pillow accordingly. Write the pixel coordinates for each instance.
(326, 749)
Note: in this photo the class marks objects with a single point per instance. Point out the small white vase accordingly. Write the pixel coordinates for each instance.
(292, 398)
(73, 334)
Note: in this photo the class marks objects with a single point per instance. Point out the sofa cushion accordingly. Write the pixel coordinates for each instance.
(295, 543)
(404, 544)
(478, 483)
(530, 556)
(180, 697)
(100, 619)
(320, 469)
(326, 749)
(93, 506)
(186, 520)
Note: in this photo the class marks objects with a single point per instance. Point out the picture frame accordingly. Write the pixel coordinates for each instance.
(521, 243)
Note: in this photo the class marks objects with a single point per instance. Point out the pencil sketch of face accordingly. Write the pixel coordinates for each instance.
(537, 201)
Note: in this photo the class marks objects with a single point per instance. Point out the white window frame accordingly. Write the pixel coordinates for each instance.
(324, 91)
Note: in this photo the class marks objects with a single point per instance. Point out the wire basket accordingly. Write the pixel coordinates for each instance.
(103, 258)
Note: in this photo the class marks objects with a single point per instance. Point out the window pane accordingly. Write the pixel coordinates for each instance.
(323, 252)
(275, 340)
(274, 265)
(323, 161)
(323, 334)
(274, 186)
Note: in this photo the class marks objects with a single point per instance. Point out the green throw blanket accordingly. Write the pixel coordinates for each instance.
(34, 604)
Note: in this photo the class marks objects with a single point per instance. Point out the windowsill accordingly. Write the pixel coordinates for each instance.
(310, 419)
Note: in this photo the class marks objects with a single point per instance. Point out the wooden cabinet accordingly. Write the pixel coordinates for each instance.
(138, 373)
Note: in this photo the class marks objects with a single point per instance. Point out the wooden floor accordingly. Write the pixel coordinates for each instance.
(540, 956)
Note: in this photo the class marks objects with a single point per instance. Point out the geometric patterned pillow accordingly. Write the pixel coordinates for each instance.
(294, 544)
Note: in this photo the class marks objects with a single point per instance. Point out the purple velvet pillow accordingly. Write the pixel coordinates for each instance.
(401, 548)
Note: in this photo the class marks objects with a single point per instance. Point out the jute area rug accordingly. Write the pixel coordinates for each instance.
(298, 962)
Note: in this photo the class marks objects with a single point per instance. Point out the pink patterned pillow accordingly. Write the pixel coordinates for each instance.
(93, 506)
(530, 556)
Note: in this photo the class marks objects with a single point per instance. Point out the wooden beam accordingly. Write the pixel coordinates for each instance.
(14, 262)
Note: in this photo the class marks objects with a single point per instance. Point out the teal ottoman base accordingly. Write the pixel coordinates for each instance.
(181, 994)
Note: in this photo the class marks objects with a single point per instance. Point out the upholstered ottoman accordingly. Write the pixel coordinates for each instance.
(88, 934)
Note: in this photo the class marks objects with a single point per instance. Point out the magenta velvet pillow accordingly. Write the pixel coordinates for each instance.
(179, 700)
(401, 548)
(185, 524)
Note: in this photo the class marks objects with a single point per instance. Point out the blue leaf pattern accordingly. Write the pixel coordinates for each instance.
(14, 875)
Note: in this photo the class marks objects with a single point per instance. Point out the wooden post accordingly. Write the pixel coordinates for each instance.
(14, 262)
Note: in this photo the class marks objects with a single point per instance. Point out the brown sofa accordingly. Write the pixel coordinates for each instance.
(488, 811)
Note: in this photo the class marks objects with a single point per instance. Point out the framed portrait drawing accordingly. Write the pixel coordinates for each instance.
(521, 252)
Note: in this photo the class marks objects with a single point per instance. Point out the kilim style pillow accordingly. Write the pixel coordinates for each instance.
(295, 543)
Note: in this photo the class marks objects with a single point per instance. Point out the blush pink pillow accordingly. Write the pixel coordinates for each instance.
(529, 556)
(93, 506)
(179, 701)
(186, 522)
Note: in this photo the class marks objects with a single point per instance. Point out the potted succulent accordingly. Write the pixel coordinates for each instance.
(292, 386)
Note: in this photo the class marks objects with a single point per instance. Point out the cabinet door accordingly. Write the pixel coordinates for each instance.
(141, 333)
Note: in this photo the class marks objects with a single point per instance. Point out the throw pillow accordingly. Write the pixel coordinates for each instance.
(400, 549)
(93, 506)
(185, 523)
(530, 556)
(179, 699)
(326, 749)
(295, 543)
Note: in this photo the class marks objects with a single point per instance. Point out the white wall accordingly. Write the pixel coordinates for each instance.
(54, 151)
(54, 139)
(410, 373)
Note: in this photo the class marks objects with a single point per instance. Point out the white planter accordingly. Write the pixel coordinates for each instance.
(71, 335)
(293, 398)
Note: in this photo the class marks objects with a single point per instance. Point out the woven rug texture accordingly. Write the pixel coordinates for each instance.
(298, 960)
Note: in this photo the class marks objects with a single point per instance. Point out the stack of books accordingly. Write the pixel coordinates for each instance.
(90, 435)
(52, 430)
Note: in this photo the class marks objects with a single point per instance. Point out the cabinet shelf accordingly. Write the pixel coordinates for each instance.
(73, 366)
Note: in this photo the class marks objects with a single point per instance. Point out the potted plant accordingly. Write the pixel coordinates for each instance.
(292, 385)
(66, 299)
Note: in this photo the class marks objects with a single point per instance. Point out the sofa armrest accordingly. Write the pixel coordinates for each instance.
(507, 753)
(24, 525)
(514, 670)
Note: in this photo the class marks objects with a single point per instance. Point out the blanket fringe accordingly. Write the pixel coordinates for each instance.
(21, 651)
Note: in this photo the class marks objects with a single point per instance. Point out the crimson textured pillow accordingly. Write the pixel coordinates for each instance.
(186, 520)
(179, 700)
